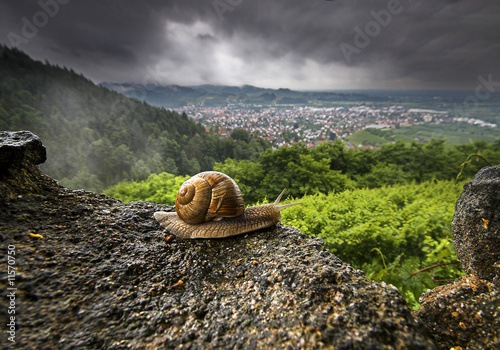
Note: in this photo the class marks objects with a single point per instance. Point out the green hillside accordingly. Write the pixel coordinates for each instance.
(454, 134)
(369, 137)
(96, 137)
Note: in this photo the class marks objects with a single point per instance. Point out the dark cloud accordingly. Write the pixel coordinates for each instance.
(289, 43)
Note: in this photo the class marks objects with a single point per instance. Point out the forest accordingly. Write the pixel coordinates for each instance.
(96, 137)
(330, 168)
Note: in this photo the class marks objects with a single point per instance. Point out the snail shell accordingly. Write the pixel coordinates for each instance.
(220, 199)
(207, 196)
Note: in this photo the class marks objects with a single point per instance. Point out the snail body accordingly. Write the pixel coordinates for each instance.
(222, 212)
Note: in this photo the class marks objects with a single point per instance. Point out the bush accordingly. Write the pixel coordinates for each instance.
(388, 232)
(161, 188)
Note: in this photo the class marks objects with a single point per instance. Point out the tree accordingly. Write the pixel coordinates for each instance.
(334, 151)
(312, 176)
(241, 134)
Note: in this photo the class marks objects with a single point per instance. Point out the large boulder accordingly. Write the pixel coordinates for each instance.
(94, 273)
(476, 225)
(463, 314)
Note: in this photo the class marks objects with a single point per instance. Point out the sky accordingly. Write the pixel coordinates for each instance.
(296, 44)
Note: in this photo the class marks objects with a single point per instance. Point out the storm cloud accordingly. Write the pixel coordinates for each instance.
(298, 44)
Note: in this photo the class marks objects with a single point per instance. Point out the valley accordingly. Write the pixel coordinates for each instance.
(368, 118)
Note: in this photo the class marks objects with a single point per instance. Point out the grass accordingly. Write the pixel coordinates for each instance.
(366, 137)
(455, 134)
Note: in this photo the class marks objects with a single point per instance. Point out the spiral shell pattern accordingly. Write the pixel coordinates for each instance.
(207, 196)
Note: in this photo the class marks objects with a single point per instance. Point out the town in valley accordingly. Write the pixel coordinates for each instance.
(313, 125)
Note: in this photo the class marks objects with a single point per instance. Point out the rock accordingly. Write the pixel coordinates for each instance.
(20, 154)
(19, 147)
(465, 313)
(92, 272)
(476, 225)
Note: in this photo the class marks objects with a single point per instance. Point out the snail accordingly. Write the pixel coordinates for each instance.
(210, 205)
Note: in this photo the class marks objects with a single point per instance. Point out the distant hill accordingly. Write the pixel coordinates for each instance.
(96, 137)
(220, 95)
(174, 96)
(451, 101)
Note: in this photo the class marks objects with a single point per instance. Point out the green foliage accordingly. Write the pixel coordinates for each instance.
(387, 232)
(161, 188)
(241, 134)
(298, 168)
(372, 137)
(331, 167)
(468, 161)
